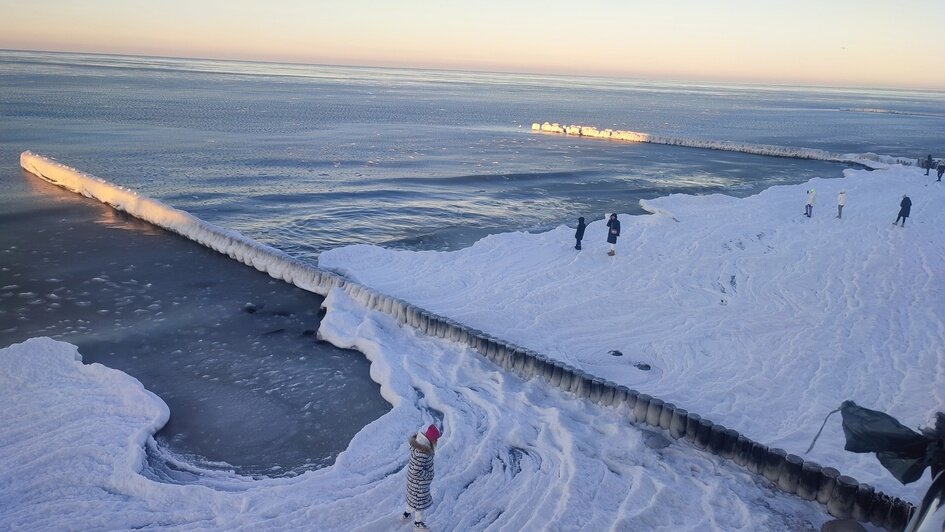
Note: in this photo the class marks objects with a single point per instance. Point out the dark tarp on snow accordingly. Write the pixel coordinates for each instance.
(903, 451)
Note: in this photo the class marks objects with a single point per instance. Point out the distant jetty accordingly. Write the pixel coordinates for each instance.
(860, 160)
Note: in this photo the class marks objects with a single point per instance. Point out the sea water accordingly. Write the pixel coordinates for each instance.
(311, 157)
(307, 158)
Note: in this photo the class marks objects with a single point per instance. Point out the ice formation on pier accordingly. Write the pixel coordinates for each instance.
(264, 258)
(869, 160)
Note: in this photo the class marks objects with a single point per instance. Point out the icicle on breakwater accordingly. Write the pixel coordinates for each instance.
(866, 160)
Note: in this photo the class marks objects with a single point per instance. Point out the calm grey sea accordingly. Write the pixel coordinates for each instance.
(311, 157)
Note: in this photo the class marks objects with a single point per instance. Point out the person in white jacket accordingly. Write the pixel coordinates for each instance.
(809, 207)
(841, 201)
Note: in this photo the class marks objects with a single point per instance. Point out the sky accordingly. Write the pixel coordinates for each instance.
(866, 43)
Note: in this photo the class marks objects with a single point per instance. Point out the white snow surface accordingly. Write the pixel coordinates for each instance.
(749, 313)
(514, 456)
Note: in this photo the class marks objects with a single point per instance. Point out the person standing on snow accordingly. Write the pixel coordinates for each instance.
(928, 164)
(579, 234)
(841, 201)
(420, 474)
(613, 231)
(809, 206)
(905, 206)
(941, 170)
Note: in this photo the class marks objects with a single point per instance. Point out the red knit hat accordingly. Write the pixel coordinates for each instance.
(432, 434)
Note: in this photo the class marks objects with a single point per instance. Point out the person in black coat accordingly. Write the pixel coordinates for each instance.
(613, 231)
(579, 234)
(905, 206)
(928, 164)
(941, 170)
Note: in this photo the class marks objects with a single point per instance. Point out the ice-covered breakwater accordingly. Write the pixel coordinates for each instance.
(264, 258)
(867, 160)
(842, 495)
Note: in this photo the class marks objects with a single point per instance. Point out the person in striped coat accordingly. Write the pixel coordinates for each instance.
(420, 474)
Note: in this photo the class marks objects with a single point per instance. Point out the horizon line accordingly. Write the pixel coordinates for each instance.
(627, 77)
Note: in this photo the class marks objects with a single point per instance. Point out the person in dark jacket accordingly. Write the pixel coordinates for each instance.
(905, 206)
(928, 164)
(613, 231)
(941, 170)
(579, 234)
(420, 474)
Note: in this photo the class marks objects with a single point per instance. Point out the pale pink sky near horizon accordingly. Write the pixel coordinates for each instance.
(867, 43)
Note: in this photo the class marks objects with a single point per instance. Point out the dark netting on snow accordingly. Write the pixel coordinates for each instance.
(903, 451)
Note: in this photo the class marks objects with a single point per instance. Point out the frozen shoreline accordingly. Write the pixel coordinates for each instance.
(514, 455)
(747, 312)
(174, 315)
(498, 262)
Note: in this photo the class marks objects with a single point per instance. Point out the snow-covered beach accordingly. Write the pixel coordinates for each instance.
(746, 312)
(515, 455)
